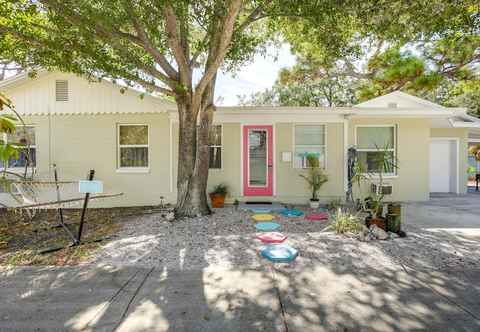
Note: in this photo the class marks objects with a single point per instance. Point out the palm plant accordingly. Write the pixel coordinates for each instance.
(382, 162)
(315, 176)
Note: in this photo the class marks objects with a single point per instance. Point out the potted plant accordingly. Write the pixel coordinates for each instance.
(315, 179)
(380, 163)
(218, 194)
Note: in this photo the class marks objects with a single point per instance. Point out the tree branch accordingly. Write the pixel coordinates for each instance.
(147, 44)
(176, 47)
(225, 38)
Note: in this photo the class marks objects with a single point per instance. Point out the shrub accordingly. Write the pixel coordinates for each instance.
(220, 189)
(345, 222)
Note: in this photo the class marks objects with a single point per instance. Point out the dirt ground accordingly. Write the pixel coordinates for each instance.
(22, 239)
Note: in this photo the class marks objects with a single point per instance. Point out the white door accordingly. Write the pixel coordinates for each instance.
(441, 166)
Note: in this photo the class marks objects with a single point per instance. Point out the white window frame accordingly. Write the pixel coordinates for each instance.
(32, 146)
(121, 169)
(394, 149)
(324, 146)
(217, 146)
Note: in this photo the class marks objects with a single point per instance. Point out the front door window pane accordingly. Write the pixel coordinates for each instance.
(257, 150)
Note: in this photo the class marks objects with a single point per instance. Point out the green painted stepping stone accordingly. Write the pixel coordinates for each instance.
(267, 226)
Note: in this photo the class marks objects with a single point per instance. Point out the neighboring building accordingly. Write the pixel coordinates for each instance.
(132, 143)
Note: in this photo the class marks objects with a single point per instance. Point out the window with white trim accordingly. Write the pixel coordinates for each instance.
(215, 147)
(133, 148)
(309, 140)
(24, 140)
(371, 143)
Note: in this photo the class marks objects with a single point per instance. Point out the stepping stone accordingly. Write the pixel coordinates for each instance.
(272, 207)
(262, 217)
(291, 213)
(271, 237)
(317, 216)
(261, 210)
(279, 253)
(267, 226)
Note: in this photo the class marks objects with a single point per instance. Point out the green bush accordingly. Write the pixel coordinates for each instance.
(345, 222)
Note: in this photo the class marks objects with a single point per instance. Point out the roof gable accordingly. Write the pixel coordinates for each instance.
(37, 96)
(399, 99)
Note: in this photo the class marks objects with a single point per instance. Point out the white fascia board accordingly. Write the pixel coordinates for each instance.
(461, 124)
(404, 113)
(21, 78)
(269, 117)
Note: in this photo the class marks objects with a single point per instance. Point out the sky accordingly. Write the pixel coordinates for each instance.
(258, 75)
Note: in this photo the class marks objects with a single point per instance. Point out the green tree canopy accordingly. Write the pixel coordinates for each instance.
(176, 48)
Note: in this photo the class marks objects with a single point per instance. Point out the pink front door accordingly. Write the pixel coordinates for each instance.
(258, 160)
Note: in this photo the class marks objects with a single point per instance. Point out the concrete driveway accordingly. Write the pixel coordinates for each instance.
(429, 281)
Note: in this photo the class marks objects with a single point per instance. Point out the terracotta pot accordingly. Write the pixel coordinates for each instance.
(380, 222)
(217, 200)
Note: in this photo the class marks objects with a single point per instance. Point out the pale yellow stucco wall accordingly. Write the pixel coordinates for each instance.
(288, 186)
(413, 136)
(462, 135)
(78, 143)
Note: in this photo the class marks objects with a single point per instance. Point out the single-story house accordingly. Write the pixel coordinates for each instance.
(259, 152)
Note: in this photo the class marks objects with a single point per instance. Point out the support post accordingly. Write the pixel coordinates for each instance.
(59, 209)
(84, 210)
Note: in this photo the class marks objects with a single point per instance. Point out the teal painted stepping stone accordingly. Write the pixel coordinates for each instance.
(291, 213)
(279, 253)
(261, 210)
(267, 226)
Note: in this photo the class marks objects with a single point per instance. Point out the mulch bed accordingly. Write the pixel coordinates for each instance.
(21, 239)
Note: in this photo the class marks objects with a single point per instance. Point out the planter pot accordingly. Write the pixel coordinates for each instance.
(394, 208)
(314, 204)
(394, 223)
(217, 200)
(380, 222)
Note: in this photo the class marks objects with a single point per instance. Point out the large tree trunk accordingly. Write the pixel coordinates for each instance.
(193, 156)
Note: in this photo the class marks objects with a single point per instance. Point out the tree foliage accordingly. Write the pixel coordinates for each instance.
(176, 48)
(436, 57)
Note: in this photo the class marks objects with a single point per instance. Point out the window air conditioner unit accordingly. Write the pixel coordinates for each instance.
(385, 189)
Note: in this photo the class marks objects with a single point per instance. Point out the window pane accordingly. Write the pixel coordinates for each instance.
(133, 135)
(215, 137)
(257, 157)
(22, 136)
(215, 157)
(309, 135)
(301, 156)
(133, 157)
(22, 161)
(372, 162)
(375, 137)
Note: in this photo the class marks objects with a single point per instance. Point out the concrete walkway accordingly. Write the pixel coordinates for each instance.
(320, 298)
(355, 293)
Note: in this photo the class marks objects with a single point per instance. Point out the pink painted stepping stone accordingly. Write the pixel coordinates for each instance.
(316, 216)
(271, 237)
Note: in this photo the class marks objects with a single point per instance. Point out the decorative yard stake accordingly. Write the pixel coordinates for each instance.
(84, 210)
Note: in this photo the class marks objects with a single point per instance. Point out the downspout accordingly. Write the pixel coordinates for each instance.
(345, 153)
